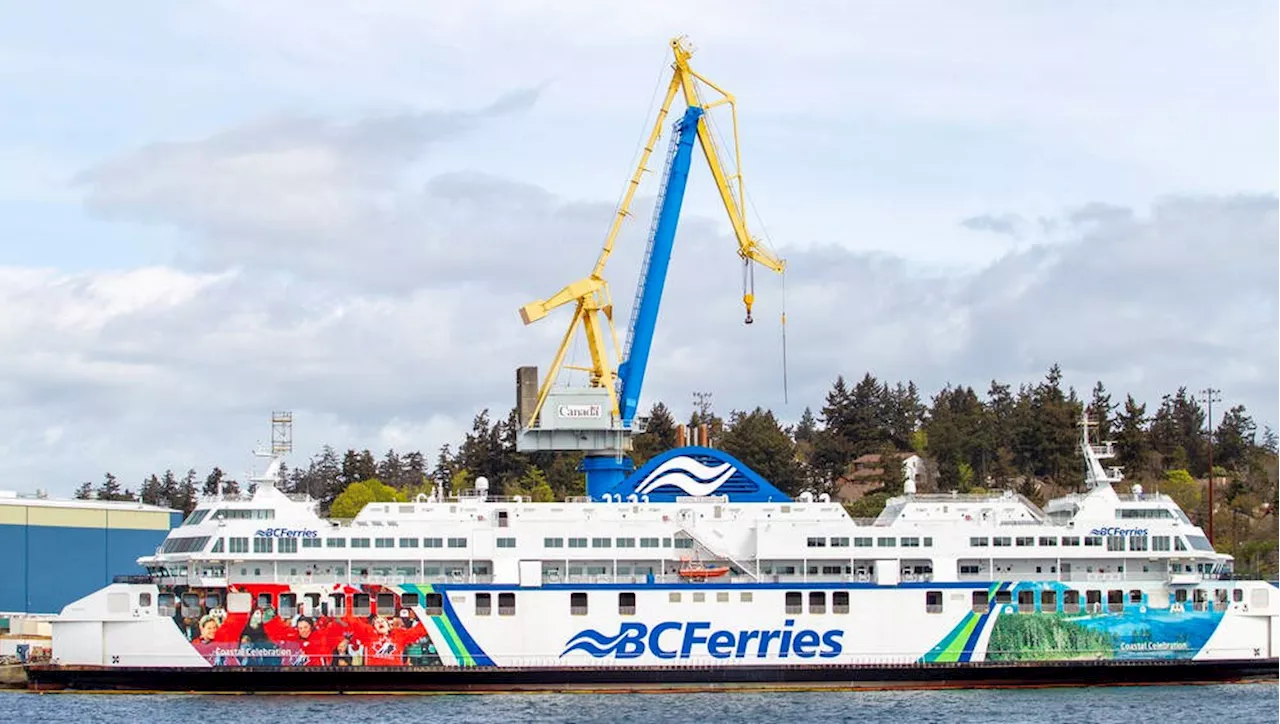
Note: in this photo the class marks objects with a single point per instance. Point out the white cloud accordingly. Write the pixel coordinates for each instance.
(364, 267)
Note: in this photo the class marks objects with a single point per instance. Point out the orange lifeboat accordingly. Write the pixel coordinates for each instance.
(697, 571)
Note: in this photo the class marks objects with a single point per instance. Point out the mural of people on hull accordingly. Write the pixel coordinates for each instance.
(346, 626)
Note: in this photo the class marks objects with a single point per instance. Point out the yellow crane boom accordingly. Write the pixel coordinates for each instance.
(590, 295)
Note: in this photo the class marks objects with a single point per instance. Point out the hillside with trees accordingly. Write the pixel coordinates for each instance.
(1023, 439)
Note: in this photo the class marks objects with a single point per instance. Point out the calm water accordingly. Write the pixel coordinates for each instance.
(1235, 704)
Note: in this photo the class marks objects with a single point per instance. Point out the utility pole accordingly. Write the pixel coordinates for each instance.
(1210, 396)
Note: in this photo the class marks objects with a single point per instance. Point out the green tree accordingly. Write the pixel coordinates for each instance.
(355, 496)
(535, 483)
(110, 488)
(659, 436)
(1234, 438)
(85, 491)
(1131, 436)
(761, 444)
(807, 427)
(1185, 491)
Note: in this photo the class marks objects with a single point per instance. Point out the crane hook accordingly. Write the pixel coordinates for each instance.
(748, 287)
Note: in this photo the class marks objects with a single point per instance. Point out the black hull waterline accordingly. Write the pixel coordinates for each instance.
(638, 678)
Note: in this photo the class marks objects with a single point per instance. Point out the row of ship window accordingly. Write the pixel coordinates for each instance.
(866, 542)
(1112, 542)
(291, 545)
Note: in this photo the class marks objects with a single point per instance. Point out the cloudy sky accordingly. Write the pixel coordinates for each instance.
(210, 210)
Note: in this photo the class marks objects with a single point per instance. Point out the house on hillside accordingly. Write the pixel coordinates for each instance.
(867, 473)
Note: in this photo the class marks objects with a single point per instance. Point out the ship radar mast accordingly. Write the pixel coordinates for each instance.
(281, 445)
(1095, 474)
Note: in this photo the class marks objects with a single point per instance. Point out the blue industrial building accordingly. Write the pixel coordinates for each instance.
(57, 551)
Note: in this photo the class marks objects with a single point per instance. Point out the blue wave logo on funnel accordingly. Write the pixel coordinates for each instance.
(695, 472)
(689, 475)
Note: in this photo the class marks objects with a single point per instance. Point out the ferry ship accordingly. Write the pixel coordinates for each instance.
(694, 572)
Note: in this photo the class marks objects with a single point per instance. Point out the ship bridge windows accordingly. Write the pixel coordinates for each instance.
(1138, 543)
(910, 542)
(408, 542)
(978, 541)
(625, 543)
(507, 542)
(457, 542)
(1070, 540)
(218, 546)
(196, 517)
(1160, 543)
(1048, 541)
(839, 542)
(245, 514)
(359, 542)
(648, 542)
(1024, 541)
(683, 542)
(1199, 543)
(335, 542)
(886, 542)
(1094, 541)
(862, 542)
(1143, 513)
(601, 542)
(1178, 544)
(1002, 541)
(184, 545)
(262, 545)
(384, 542)
(577, 542)
(553, 542)
(288, 545)
(1115, 543)
(817, 542)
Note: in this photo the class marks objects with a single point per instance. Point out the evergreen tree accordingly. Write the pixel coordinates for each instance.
(761, 444)
(807, 427)
(1100, 409)
(169, 490)
(1234, 439)
(85, 491)
(658, 437)
(212, 482)
(110, 488)
(153, 492)
(1131, 436)
(390, 470)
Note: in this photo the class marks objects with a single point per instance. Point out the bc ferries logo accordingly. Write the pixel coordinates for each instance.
(286, 533)
(687, 474)
(1118, 531)
(695, 639)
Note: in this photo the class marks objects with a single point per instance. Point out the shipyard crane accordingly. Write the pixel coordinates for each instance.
(600, 419)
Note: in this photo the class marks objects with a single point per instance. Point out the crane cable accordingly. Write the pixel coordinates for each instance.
(784, 337)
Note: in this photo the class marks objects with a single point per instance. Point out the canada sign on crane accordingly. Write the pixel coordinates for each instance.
(600, 419)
